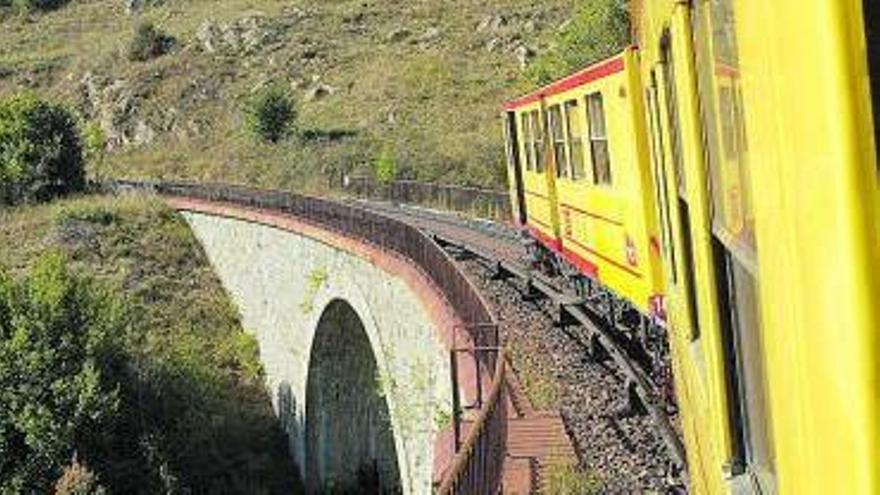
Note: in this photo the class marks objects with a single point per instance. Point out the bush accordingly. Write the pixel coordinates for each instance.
(385, 166)
(148, 42)
(27, 5)
(95, 142)
(54, 348)
(599, 29)
(40, 151)
(78, 479)
(270, 113)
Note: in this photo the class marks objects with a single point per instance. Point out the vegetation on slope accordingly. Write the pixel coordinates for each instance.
(418, 82)
(40, 151)
(599, 29)
(53, 365)
(190, 412)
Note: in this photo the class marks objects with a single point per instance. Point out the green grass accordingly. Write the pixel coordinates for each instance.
(541, 387)
(566, 478)
(435, 106)
(195, 413)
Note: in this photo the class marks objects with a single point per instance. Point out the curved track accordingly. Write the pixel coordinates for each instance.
(634, 424)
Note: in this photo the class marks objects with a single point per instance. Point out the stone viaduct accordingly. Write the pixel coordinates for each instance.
(353, 341)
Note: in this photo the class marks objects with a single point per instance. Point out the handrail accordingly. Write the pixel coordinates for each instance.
(485, 444)
(477, 467)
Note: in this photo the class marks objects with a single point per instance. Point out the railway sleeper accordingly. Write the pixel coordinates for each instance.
(635, 402)
(498, 272)
(563, 318)
(530, 293)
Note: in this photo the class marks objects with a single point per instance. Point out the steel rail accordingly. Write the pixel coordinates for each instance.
(638, 383)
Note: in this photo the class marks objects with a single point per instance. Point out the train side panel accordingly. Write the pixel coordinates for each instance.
(604, 195)
(538, 175)
(766, 166)
(807, 114)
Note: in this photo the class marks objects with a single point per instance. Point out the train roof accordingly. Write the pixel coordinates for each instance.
(593, 72)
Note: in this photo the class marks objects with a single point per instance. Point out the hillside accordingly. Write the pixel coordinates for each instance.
(421, 80)
(194, 416)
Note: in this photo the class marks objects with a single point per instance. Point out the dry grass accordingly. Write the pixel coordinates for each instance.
(436, 105)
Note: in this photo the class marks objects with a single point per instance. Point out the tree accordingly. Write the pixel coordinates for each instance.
(599, 29)
(54, 397)
(40, 151)
(148, 42)
(269, 115)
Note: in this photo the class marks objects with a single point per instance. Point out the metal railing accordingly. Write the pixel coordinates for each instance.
(472, 201)
(477, 466)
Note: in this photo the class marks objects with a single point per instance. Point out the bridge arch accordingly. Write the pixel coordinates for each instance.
(350, 441)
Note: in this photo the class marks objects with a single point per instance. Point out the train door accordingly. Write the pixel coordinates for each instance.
(514, 164)
(680, 214)
(733, 243)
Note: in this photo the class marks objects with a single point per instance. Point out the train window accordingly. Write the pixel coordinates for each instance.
(749, 409)
(733, 241)
(724, 132)
(526, 126)
(538, 140)
(598, 139)
(871, 11)
(557, 136)
(575, 129)
(684, 220)
(672, 111)
(657, 158)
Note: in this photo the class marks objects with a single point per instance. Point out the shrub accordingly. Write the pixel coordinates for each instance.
(40, 151)
(95, 142)
(385, 166)
(270, 113)
(27, 5)
(563, 477)
(599, 29)
(78, 479)
(54, 330)
(148, 42)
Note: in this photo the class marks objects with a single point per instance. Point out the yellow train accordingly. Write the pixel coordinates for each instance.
(723, 177)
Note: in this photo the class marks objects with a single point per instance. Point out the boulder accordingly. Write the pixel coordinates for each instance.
(523, 55)
(318, 91)
(430, 35)
(396, 35)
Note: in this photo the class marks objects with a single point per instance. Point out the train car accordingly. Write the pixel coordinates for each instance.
(581, 179)
(765, 155)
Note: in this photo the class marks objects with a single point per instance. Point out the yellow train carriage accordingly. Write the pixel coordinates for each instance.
(765, 160)
(536, 173)
(591, 200)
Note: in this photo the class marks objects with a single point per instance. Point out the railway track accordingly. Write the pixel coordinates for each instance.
(584, 321)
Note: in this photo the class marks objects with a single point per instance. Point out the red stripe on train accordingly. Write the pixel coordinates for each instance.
(585, 76)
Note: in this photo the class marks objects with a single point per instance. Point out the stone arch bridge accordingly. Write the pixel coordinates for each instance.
(354, 343)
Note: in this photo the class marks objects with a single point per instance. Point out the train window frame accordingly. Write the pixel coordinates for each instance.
(655, 129)
(538, 141)
(556, 135)
(746, 377)
(526, 126)
(725, 143)
(683, 210)
(598, 137)
(576, 149)
(752, 465)
(676, 149)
